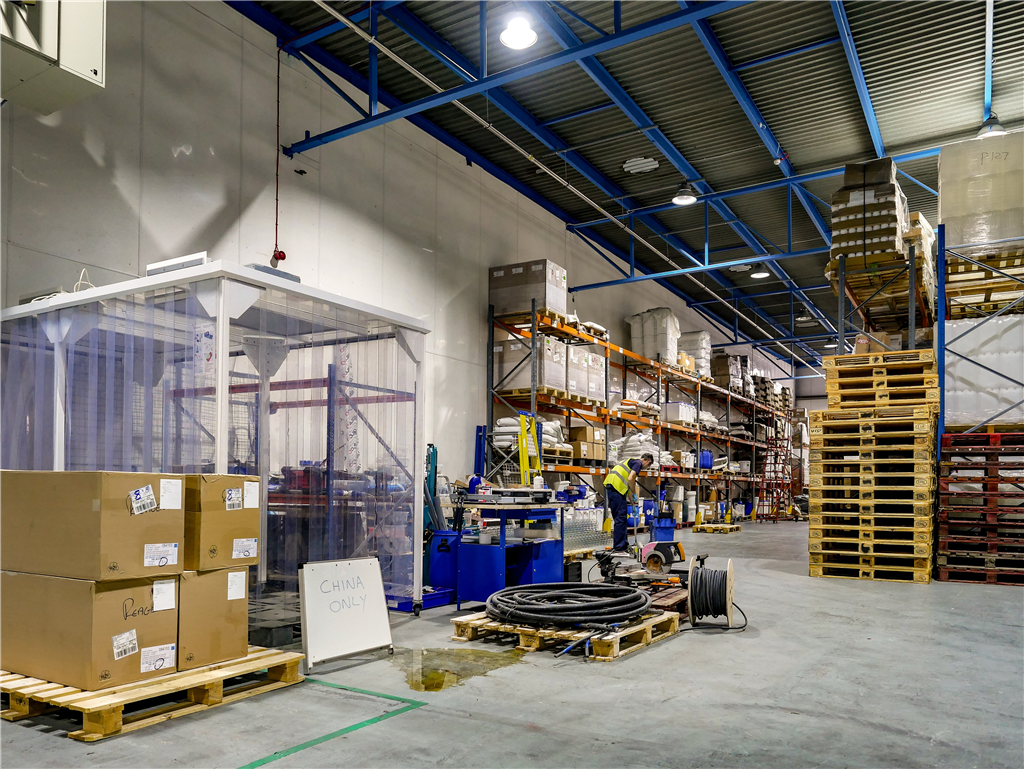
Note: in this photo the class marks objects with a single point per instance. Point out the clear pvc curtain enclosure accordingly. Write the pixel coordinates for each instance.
(226, 369)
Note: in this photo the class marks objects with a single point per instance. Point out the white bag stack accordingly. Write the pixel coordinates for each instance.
(655, 334)
(698, 345)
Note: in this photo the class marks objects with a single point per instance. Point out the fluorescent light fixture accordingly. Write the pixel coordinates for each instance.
(760, 271)
(177, 263)
(803, 317)
(517, 34)
(640, 165)
(991, 127)
(686, 195)
(831, 345)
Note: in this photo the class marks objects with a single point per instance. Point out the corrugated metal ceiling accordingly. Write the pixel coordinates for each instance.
(923, 63)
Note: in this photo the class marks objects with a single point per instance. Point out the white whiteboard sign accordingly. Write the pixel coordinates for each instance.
(344, 609)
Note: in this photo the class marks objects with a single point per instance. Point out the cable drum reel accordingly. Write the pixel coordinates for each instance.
(710, 594)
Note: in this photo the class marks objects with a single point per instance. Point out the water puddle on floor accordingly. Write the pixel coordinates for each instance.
(431, 670)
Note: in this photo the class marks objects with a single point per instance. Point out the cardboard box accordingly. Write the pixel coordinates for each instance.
(598, 452)
(550, 364)
(577, 374)
(92, 525)
(880, 171)
(213, 617)
(587, 433)
(865, 343)
(581, 449)
(222, 521)
(85, 634)
(513, 287)
(595, 377)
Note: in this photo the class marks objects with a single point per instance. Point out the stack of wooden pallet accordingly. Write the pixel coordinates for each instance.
(981, 508)
(872, 469)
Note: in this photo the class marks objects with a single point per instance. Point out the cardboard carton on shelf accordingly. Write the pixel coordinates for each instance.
(598, 452)
(86, 634)
(98, 526)
(865, 343)
(513, 287)
(222, 521)
(880, 171)
(587, 433)
(213, 617)
(581, 449)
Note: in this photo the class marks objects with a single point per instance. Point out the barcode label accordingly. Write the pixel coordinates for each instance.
(233, 499)
(164, 554)
(243, 548)
(143, 500)
(158, 658)
(125, 644)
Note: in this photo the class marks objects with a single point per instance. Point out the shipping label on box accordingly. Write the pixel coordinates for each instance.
(221, 524)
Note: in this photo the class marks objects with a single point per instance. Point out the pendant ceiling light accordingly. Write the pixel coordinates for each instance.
(518, 34)
(760, 271)
(991, 127)
(686, 195)
(831, 345)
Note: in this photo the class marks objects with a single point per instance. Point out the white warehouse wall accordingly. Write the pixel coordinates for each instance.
(177, 155)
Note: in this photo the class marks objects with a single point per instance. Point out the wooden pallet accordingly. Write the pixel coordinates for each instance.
(717, 528)
(103, 710)
(918, 576)
(853, 532)
(526, 316)
(871, 507)
(879, 397)
(883, 467)
(879, 359)
(552, 453)
(880, 547)
(874, 413)
(524, 392)
(888, 441)
(901, 454)
(894, 372)
(900, 522)
(638, 634)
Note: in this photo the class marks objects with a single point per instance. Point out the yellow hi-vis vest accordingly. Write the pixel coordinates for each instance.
(618, 478)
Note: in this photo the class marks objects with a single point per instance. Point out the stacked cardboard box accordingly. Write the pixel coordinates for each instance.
(595, 378)
(588, 443)
(513, 287)
(872, 469)
(726, 372)
(551, 365)
(94, 588)
(577, 373)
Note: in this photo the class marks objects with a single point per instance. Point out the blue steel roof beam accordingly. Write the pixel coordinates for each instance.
(846, 35)
(447, 54)
(336, 26)
(568, 39)
(785, 54)
(521, 71)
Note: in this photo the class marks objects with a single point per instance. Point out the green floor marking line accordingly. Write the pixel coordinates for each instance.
(409, 705)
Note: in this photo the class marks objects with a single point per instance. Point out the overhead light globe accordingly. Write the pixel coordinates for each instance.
(518, 34)
(804, 318)
(686, 195)
(760, 271)
(991, 127)
(831, 345)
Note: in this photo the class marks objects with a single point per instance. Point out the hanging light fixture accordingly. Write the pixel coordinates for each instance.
(760, 271)
(831, 345)
(991, 127)
(686, 195)
(518, 34)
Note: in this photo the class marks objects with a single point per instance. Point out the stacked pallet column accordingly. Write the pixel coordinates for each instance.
(872, 468)
(981, 508)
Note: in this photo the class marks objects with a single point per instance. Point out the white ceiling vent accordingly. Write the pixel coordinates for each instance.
(640, 165)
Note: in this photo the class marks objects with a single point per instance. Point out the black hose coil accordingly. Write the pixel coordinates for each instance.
(568, 603)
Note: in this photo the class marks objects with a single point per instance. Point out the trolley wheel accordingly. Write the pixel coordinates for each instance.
(416, 607)
(391, 650)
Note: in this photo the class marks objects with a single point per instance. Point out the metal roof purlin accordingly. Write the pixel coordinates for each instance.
(846, 35)
(510, 75)
(336, 26)
(565, 37)
(746, 102)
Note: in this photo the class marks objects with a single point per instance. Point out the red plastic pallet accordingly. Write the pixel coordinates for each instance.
(980, 576)
(979, 440)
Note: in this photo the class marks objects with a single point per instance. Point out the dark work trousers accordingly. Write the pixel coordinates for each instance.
(619, 507)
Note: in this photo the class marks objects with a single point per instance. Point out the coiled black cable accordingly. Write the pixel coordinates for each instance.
(708, 596)
(568, 603)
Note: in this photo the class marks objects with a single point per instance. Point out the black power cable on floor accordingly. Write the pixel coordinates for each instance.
(708, 596)
(568, 604)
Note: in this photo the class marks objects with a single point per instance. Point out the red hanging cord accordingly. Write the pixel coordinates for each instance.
(278, 254)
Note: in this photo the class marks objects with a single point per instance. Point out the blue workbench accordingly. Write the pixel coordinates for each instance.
(486, 569)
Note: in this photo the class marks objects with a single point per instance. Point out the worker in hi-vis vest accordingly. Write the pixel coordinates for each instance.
(621, 481)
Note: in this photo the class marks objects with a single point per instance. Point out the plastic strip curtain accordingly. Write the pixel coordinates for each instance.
(26, 396)
(140, 382)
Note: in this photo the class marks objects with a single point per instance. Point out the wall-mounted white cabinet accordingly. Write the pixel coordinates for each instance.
(53, 52)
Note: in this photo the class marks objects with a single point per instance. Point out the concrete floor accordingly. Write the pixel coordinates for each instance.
(830, 673)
